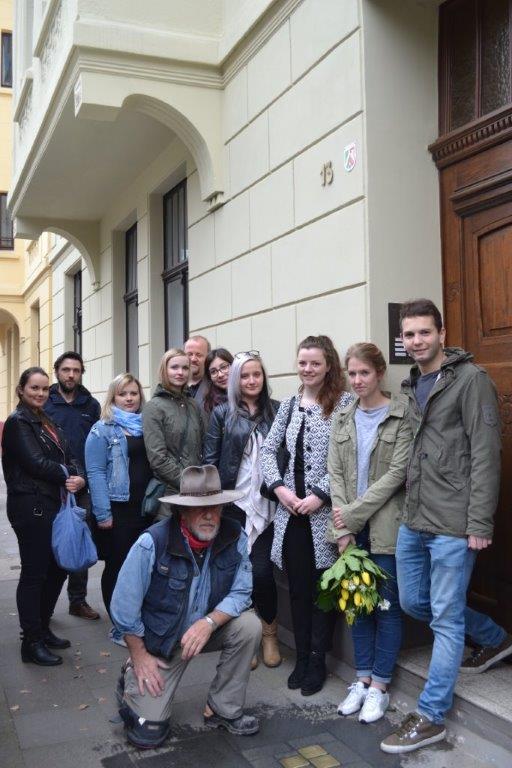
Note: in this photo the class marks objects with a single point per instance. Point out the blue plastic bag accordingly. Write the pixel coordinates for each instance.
(72, 543)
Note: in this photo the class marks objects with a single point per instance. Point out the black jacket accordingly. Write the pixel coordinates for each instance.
(227, 437)
(75, 418)
(31, 459)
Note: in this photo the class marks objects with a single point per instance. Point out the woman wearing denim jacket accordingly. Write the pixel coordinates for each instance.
(118, 472)
(368, 454)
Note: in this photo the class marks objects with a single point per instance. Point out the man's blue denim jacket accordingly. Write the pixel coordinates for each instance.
(133, 583)
(106, 462)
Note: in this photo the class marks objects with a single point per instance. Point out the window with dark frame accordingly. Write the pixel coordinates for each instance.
(77, 312)
(6, 60)
(131, 302)
(475, 60)
(175, 273)
(6, 231)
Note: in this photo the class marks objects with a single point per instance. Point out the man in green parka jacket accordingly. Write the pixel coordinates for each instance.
(452, 485)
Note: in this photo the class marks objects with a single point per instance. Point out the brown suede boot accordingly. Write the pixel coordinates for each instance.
(269, 644)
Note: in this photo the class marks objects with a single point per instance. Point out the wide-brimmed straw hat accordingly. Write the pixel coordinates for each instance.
(200, 487)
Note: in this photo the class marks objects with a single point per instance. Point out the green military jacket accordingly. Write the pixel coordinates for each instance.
(382, 503)
(454, 470)
(173, 435)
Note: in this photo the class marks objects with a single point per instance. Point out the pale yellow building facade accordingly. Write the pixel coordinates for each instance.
(261, 112)
(25, 276)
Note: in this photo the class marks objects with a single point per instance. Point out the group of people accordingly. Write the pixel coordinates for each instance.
(245, 484)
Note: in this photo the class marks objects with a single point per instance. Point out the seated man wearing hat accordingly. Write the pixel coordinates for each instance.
(185, 588)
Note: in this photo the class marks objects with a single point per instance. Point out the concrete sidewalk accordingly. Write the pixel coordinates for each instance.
(66, 716)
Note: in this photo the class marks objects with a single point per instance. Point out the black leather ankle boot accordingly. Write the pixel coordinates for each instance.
(301, 666)
(35, 651)
(316, 674)
(52, 641)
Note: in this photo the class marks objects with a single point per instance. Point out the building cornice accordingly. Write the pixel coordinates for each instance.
(153, 69)
(256, 38)
(472, 138)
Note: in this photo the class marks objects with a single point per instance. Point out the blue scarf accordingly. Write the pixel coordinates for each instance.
(130, 422)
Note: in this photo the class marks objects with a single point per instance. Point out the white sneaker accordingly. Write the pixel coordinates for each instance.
(354, 701)
(375, 704)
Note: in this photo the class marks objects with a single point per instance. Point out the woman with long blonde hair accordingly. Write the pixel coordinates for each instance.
(173, 425)
(118, 472)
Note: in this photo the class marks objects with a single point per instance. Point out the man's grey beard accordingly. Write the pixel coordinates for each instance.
(204, 536)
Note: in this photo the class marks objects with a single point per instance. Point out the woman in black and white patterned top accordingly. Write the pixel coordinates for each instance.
(304, 508)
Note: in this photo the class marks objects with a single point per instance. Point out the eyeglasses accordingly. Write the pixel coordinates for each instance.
(214, 372)
(251, 352)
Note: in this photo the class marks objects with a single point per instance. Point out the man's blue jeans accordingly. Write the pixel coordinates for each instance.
(433, 574)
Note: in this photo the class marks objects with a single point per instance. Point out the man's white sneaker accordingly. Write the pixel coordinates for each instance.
(375, 704)
(354, 701)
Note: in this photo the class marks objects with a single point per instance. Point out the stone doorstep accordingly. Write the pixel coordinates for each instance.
(477, 710)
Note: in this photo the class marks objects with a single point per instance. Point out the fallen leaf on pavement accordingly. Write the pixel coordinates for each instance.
(101, 670)
(104, 653)
(83, 706)
(25, 690)
(15, 707)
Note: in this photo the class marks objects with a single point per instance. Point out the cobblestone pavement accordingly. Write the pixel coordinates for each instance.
(66, 716)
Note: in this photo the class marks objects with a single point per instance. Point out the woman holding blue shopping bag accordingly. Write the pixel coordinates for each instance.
(118, 472)
(36, 459)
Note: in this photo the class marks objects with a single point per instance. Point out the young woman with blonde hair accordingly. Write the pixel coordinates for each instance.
(118, 472)
(368, 455)
(173, 425)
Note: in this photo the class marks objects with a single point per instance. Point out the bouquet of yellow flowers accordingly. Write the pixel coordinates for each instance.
(351, 585)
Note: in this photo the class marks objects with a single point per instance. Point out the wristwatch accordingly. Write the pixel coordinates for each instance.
(213, 624)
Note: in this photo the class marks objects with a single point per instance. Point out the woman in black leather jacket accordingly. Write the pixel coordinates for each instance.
(235, 435)
(33, 452)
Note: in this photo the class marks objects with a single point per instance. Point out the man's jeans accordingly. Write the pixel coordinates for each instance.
(433, 575)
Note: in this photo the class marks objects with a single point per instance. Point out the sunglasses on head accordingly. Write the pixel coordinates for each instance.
(250, 352)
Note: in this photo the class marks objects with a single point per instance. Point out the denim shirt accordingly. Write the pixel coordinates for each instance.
(106, 462)
(135, 577)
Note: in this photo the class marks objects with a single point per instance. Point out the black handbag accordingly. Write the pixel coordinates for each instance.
(282, 458)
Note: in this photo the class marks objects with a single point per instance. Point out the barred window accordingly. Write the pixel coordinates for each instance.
(131, 302)
(175, 272)
(6, 233)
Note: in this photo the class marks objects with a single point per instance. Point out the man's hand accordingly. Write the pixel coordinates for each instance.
(146, 671)
(344, 541)
(337, 517)
(74, 483)
(308, 505)
(287, 498)
(105, 523)
(195, 639)
(478, 542)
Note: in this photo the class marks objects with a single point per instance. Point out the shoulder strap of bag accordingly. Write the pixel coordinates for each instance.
(290, 411)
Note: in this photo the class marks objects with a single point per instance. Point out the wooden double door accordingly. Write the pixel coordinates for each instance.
(476, 213)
